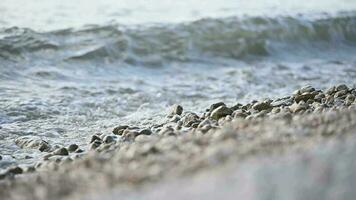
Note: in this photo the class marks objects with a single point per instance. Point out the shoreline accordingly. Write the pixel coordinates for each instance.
(185, 144)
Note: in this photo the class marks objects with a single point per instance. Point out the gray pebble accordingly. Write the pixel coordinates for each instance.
(61, 152)
(73, 147)
(220, 112)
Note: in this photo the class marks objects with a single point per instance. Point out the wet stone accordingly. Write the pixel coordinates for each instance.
(189, 119)
(175, 118)
(119, 129)
(297, 107)
(145, 132)
(79, 151)
(61, 152)
(176, 110)
(340, 93)
(239, 114)
(220, 112)
(108, 139)
(129, 135)
(94, 138)
(307, 89)
(350, 98)
(342, 87)
(95, 144)
(73, 147)
(216, 105)
(304, 97)
(15, 170)
(262, 106)
(236, 106)
(30, 169)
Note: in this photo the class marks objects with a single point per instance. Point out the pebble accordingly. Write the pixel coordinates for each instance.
(119, 129)
(189, 119)
(15, 170)
(145, 132)
(220, 112)
(73, 147)
(95, 144)
(262, 106)
(341, 87)
(108, 139)
(61, 152)
(304, 97)
(297, 107)
(216, 105)
(94, 138)
(176, 110)
(79, 151)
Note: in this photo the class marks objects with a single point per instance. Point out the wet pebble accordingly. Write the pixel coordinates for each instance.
(119, 129)
(220, 112)
(108, 139)
(262, 106)
(176, 110)
(73, 147)
(15, 170)
(61, 152)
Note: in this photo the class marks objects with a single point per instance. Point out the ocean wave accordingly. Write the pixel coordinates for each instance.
(233, 38)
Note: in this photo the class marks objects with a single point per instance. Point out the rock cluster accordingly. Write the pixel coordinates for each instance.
(136, 154)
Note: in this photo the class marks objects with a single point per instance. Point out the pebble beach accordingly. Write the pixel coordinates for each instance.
(188, 145)
(221, 99)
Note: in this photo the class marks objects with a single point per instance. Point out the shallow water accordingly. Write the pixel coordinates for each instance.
(68, 70)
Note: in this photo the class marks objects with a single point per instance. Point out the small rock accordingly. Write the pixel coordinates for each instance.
(304, 97)
(73, 147)
(306, 89)
(129, 135)
(108, 139)
(331, 90)
(95, 144)
(94, 138)
(30, 169)
(61, 152)
(216, 105)
(297, 107)
(276, 110)
(15, 170)
(220, 112)
(79, 151)
(342, 87)
(176, 110)
(119, 130)
(145, 132)
(239, 114)
(340, 93)
(262, 106)
(189, 119)
(175, 118)
(350, 98)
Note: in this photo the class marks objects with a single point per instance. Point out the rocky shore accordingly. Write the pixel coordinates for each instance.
(183, 144)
